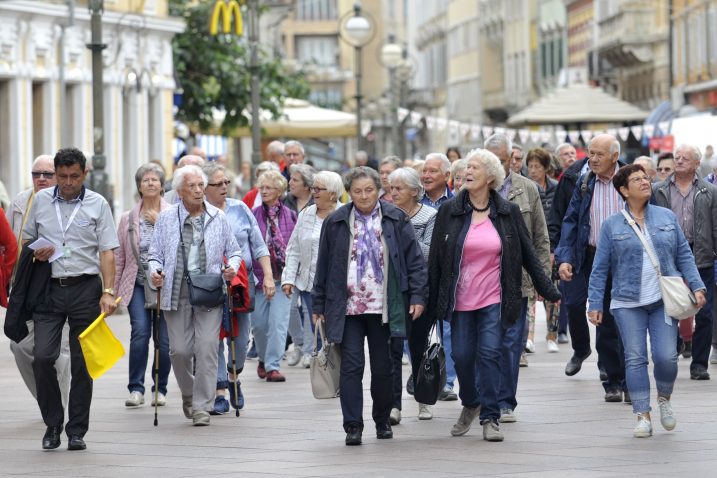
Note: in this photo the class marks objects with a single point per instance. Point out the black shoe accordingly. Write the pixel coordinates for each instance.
(699, 373)
(76, 443)
(563, 338)
(687, 351)
(384, 432)
(613, 396)
(353, 436)
(51, 440)
(603, 375)
(575, 364)
(626, 397)
(409, 385)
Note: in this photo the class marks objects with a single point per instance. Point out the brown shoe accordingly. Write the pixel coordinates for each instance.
(260, 370)
(275, 376)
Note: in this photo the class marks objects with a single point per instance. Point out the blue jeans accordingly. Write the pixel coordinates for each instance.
(141, 321)
(305, 309)
(447, 345)
(511, 348)
(634, 324)
(270, 322)
(477, 338)
(241, 342)
(353, 362)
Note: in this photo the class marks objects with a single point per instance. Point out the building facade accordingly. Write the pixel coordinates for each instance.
(43, 41)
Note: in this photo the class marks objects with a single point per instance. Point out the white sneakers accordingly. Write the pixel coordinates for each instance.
(306, 361)
(464, 421)
(395, 417)
(553, 347)
(135, 399)
(667, 416)
(491, 431)
(200, 418)
(293, 356)
(425, 412)
(161, 399)
(643, 429)
(507, 416)
(529, 346)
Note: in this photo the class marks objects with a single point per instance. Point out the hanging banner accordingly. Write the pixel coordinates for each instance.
(499, 130)
(534, 137)
(623, 133)
(636, 132)
(475, 132)
(402, 113)
(441, 123)
(430, 122)
(487, 131)
(524, 134)
(587, 135)
(649, 130)
(464, 128)
(612, 132)
(574, 136)
(545, 136)
(415, 117)
(510, 133)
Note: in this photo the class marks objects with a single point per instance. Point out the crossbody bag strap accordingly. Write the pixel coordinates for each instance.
(648, 249)
(181, 239)
(133, 243)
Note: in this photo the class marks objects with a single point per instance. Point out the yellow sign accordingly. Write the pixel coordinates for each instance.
(226, 9)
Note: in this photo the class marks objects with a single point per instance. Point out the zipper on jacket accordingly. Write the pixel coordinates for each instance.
(455, 287)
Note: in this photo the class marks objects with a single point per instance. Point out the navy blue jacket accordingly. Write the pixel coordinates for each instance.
(330, 293)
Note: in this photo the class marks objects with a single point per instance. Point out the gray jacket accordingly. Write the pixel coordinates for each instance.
(705, 220)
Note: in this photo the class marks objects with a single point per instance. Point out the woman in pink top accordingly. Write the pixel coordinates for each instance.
(480, 246)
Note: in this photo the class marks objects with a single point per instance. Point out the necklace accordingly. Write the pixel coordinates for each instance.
(487, 206)
(415, 210)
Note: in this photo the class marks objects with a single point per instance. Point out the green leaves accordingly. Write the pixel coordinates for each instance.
(214, 73)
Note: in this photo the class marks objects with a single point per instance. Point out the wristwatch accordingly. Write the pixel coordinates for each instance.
(109, 291)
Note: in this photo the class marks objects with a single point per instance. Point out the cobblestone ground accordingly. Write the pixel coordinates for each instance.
(564, 429)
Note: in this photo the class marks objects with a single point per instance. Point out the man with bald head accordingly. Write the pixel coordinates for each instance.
(594, 200)
(275, 154)
(43, 176)
(694, 202)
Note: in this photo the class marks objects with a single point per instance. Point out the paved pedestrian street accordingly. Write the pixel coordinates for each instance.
(564, 429)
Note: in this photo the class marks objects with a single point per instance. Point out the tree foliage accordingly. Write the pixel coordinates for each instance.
(214, 72)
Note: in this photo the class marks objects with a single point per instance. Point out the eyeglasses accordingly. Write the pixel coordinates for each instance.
(268, 188)
(315, 189)
(44, 174)
(640, 179)
(226, 182)
(664, 170)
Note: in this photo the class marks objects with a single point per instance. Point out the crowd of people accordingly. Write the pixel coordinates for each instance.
(382, 256)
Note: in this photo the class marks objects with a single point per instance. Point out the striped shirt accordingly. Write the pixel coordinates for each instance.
(606, 201)
(649, 284)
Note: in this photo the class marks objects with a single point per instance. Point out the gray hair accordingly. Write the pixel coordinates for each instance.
(497, 141)
(395, 161)
(306, 172)
(297, 144)
(458, 166)
(190, 159)
(142, 171)
(614, 144)
(265, 166)
(212, 167)
(696, 153)
(275, 177)
(562, 146)
(190, 169)
(361, 172)
(275, 147)
(361, 154)
(410, 178)
(645, 158)
(331, 181)
(492, 165)
(445, 162)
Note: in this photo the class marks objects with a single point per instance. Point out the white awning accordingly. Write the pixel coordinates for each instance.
(578, 103)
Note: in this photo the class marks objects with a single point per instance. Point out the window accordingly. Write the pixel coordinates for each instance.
(316, 10)
(318, 50)
(328, 97)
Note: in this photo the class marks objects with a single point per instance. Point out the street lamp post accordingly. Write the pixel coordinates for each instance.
(98, 176)
(254, 69)
(357, 30)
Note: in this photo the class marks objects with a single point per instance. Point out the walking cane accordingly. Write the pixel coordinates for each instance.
(156, 353)
(233, 347)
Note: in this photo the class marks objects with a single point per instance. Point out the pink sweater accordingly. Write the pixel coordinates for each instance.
(479, 279)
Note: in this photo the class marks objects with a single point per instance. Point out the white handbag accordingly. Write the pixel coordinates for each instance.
(325, 366)
(680, 303)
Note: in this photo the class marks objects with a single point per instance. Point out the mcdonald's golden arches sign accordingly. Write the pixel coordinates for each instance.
(226, 10)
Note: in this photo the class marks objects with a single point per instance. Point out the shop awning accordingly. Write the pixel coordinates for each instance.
(577, 104)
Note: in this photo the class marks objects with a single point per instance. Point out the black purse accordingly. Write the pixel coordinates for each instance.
(205, 290)
(431, 376)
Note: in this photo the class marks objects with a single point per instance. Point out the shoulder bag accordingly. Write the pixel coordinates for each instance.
(150, 292)
(205, 290)
(680, 303)
(431, 376)
(325, 366)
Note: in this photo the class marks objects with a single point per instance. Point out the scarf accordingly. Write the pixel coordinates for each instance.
(368, 244)
(274, 239)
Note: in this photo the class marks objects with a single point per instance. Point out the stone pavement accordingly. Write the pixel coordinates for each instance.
(564, 429)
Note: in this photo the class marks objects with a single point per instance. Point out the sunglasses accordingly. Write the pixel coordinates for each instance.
(44, 174)
(664, 170)
(226, 182)
(315, 189)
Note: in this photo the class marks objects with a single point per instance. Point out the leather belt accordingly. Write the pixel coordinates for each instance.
(68, 281)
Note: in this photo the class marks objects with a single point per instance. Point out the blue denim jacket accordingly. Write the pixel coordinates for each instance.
(619, 252)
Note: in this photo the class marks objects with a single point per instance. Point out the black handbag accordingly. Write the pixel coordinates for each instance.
(431, 375)
(205, 290)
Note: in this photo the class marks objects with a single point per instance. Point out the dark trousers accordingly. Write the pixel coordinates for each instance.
(702, 337)
(510, 349)
(79, 305)
(356, 328)
(417, 332)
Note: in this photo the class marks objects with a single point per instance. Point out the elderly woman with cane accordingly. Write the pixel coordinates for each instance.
(624, 263)
(134, 287)
(370, 280)
(186, 257)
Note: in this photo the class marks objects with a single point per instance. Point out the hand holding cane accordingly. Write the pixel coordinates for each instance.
(232, 346)
(156, 352)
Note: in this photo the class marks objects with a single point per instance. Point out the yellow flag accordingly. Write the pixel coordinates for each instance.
(100, 347)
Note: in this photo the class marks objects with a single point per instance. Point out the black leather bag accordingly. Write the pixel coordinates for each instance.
(431, 376)
(206, 290)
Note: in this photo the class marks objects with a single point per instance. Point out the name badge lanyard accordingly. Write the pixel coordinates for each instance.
(65, 249)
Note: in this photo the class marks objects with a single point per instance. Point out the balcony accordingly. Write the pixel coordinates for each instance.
(627, 38)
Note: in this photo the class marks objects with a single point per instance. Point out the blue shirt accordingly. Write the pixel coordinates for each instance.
(447, 194)
(246, 231)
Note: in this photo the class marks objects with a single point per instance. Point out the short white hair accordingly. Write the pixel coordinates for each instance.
(497, 141)
(649, 160)
(445, 162)
(332, 182)
(265, 166)
(410, 178)
(696, 153)
(181, 173)
(492, 165)
(458, 166)
(562, 146)
(293, 143)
